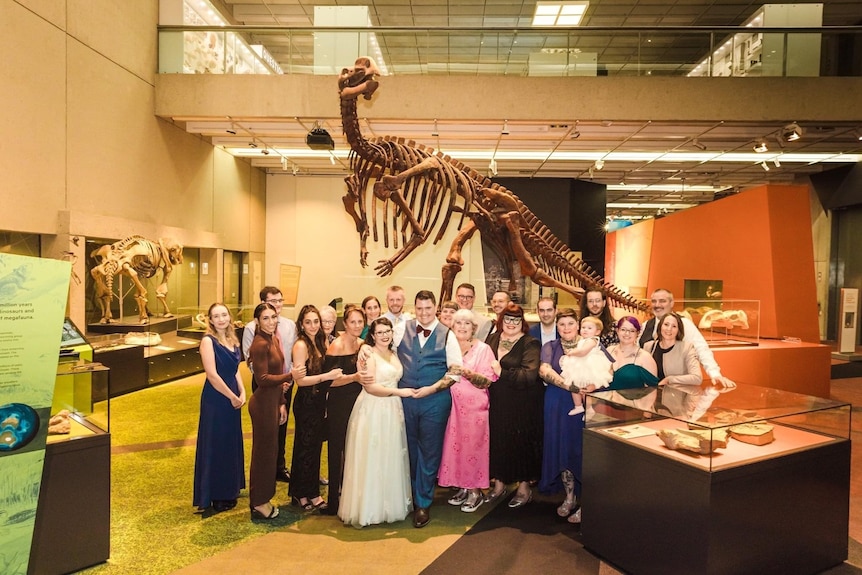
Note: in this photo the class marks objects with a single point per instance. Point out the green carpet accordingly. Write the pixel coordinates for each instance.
(154, 527)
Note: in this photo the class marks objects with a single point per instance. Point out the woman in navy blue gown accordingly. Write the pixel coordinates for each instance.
(562, 456)
(219, 467)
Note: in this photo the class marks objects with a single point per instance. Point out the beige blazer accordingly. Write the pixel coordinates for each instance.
(680, 364)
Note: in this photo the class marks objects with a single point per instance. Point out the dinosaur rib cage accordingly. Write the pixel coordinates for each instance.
(429, 195)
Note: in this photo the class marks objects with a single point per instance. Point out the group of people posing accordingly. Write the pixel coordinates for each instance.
(407, 403)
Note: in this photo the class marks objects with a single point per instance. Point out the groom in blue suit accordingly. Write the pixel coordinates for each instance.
(431, 358)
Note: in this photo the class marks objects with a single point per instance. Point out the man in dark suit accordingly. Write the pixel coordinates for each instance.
(546, 329)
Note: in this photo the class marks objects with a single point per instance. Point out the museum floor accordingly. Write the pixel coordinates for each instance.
(156, 531)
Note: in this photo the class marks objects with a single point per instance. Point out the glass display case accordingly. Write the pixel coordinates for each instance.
(80, 406)
(712, 430)
(73, 522)
(723, 322)
(687, 479)
(241, 314)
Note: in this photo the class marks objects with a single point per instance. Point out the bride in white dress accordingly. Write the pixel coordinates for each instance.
(376, 487)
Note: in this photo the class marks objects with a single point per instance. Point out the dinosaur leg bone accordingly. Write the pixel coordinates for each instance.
(350, 200)
(454, 260)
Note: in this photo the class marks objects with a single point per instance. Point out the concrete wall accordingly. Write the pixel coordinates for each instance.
(83, 153)
(307, 226)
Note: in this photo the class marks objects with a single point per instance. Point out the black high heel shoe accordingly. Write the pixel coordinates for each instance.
(259, 516)
(321, 506)
(307, 506)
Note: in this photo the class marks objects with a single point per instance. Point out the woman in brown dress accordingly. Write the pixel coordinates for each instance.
(267, 409)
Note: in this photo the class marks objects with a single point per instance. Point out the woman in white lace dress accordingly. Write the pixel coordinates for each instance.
(376, 487)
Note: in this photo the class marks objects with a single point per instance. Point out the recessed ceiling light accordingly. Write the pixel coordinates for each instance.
(559, 13)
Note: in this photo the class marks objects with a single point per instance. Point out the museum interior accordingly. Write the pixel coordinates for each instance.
(218, 146)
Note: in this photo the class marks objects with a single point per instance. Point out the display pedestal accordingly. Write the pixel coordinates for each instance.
(157, 324)
(649, 514)
(73, 523)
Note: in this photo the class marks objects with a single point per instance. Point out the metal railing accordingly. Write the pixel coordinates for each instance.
(582, 51)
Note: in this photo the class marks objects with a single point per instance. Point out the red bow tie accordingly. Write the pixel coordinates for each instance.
(423, 331)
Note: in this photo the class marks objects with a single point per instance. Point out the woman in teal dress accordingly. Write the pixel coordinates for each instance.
(632, 367)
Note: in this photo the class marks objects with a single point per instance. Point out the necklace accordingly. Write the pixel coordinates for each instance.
(509, 344)
(568, 345)
(626, 353)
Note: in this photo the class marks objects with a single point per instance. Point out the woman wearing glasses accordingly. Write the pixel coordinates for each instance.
(632, 367)
(516, 408)
(376, 486)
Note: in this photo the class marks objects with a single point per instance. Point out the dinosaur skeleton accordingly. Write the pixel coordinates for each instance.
(135, 257)
(420, 190)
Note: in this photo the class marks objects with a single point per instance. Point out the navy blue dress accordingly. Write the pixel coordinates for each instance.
(219, 463)
(563, 438)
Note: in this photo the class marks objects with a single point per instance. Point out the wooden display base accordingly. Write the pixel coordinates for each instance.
(158, 324)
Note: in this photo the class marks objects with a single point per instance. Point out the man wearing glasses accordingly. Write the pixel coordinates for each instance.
(286, 333)
(546, 329)
(465, 297)
(662, 304)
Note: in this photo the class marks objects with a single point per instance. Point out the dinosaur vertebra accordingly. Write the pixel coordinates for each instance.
(135, 257)
(427, 189)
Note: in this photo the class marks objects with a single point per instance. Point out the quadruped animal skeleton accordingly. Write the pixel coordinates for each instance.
(135, 257)
(421, 190)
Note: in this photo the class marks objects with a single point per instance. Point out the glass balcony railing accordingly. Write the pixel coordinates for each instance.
(592, 51)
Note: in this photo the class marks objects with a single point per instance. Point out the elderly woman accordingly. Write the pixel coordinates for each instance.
(595, 303)
(371, 308)
(328, 319)
(465, 445)
(516, 408)
(633, 367)
(563, 454)
(675, 359)
(343, 391)
(267, 408)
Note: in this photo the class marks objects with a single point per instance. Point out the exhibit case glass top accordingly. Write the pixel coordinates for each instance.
(80, 407)
(715, 428)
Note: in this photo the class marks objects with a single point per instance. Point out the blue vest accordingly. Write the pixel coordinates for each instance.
(423, 366)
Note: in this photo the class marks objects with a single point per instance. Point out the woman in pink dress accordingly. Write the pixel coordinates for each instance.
(465, 445)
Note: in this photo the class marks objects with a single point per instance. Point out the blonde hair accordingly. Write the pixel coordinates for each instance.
(595, 321)
(228, 338)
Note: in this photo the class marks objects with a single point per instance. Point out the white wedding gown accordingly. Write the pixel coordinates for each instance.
(376, 486)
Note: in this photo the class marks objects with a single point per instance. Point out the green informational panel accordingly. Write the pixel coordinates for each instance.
(33, 295)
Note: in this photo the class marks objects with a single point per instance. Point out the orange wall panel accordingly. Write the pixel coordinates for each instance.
(758, 243)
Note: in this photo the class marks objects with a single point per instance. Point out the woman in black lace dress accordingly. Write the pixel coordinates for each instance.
(309, 409)
(517, 400)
